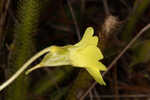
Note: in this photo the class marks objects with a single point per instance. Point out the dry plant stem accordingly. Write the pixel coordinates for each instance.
(106, 7)
(82, 7)
(126, 4)
(116, 59)
(3, 19)
(124, 96)
(115, 76)
(74, 19)
(23, 68)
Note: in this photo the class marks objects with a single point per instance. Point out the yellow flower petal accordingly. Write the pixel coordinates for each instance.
(96, 75)
(98, 65)
(88, 38)
(92, 52)
(88, 33)
(85, 56)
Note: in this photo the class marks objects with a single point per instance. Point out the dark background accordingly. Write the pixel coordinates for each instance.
(28, 26)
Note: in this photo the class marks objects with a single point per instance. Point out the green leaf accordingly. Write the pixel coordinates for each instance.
(141, 53)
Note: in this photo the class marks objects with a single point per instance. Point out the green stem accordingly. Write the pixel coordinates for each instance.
(11, 79)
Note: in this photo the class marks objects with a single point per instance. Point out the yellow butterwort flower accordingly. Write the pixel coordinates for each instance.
(84, 54)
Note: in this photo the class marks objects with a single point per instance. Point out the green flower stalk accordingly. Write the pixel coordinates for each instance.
(84, 54)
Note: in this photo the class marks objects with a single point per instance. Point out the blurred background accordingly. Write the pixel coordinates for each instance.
(28, 26)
